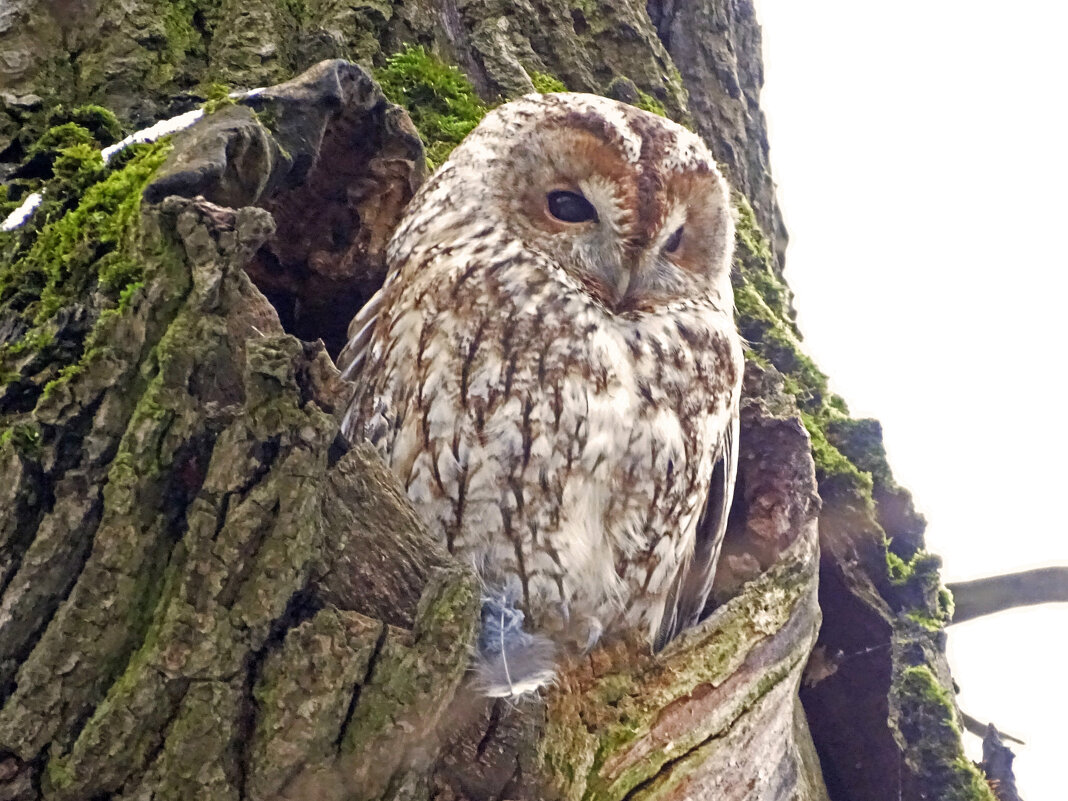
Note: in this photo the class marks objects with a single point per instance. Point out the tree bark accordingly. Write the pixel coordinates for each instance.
(206, 593)
(997, 762)
(250, 611)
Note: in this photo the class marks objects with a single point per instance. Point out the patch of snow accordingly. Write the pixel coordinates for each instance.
(154, 132)
(243, 93)
(164, 127)
(22, 213)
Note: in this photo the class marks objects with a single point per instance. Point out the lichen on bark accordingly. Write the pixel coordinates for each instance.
(183, 531)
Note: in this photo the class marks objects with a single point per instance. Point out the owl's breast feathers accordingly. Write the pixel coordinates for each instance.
(565, 450)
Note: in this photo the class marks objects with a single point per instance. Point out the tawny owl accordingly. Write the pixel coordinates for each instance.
(552, 371)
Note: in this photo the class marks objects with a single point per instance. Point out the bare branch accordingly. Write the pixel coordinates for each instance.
(979, 729)
(986, 596)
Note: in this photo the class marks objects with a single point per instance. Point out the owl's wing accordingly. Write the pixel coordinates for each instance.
(352, 357)
(689, 592)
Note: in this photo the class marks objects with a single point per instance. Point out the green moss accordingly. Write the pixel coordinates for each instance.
(7, 203)
(78, 167)
(862, 442)
(837, 402)
(755, 263)
(127, 293)
(624, 90)
(33, 340)
(182, 41)
(42, 134)
(102, 125)
(757, 359)
(915, 587)
(298, 10)
(24, 437)
(748, 231)
(765, 320)
(545, 83)
(783, 349)
(925, 722)
(70, 154)
(88, 248)
(829, 460)
(93, 241)
(217, 97)
(922, 565)
(920, 684)
(61, 136)
(66, 375)
(57, 775)
(946, 606)
(441, 101)
(896, 567)
(647, 102)
(925, 621)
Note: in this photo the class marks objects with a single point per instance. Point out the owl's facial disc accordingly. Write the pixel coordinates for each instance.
(592, 226)
(582, 220)
(629, 205)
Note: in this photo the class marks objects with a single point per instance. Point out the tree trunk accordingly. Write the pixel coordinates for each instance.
(207, 593)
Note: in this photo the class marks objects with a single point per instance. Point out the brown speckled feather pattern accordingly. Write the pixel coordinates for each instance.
(552, 397)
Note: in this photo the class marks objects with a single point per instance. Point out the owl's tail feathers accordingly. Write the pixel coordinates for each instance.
(511, 661)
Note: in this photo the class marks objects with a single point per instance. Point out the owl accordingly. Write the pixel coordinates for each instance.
(552, 371)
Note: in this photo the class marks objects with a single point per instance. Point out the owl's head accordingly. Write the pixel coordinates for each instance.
(630, 205)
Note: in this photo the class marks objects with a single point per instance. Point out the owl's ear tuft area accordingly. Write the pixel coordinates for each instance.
(511, 661)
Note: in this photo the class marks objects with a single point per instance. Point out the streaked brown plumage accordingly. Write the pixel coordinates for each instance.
(552, 368)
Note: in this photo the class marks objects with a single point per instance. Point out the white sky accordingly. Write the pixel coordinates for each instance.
(921, 153)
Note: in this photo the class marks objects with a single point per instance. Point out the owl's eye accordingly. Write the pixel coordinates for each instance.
(674, 241)
(570, 207)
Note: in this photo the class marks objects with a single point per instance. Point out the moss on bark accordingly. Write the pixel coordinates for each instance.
(163, 532)
(441, 101)
(926, 721)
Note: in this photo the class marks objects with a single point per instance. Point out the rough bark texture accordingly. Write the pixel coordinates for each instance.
(997, 763)
(205, 593)
(721, 41)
